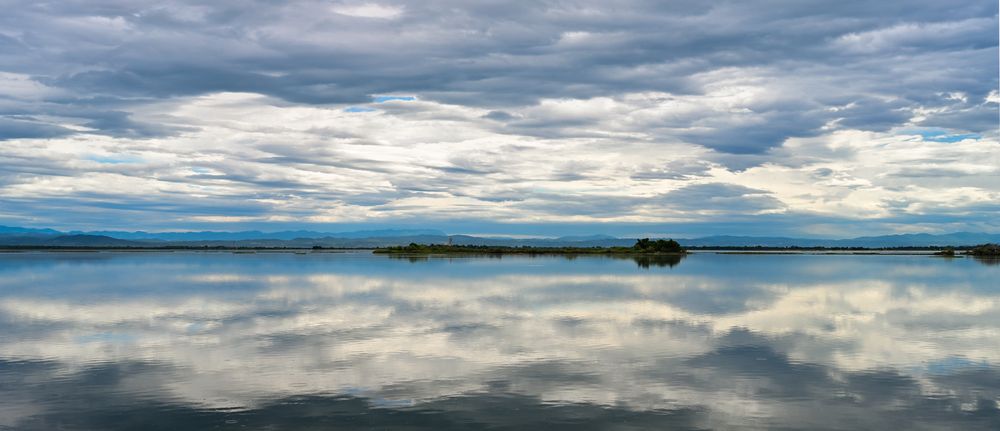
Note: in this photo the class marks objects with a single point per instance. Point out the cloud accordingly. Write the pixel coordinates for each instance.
(12, 128)
(481, 108)
(484, 56)
(714, 197)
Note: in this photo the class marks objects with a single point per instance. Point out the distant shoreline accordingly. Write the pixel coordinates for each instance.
(14, 237)
(513, 250)
(616, 251)
(446, 250)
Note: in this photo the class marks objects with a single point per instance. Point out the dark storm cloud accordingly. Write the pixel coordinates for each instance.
(504, 56)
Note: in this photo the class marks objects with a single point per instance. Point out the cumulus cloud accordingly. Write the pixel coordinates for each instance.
(532, 111)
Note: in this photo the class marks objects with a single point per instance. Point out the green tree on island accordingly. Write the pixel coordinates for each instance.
(646, 245)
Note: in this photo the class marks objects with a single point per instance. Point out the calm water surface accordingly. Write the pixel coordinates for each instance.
(104, 341)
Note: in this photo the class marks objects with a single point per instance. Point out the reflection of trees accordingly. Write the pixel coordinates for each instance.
(644, 261)
(658, 260)
(646, 245)
(987, 260)
(412, 258)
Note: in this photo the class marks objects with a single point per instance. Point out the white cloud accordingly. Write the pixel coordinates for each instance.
(425, 159)
(526, 112)
(368, 10)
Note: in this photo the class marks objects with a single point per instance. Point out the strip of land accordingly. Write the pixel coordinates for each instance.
(643, 246)
(475, 249)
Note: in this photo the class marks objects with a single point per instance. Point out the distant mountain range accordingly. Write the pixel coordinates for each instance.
(227, 236)
(902, 240)
(18, 236)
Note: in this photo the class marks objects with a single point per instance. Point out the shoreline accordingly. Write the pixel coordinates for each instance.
(493, 252)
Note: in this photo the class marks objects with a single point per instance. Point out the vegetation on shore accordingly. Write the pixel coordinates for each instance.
(642, 246)
(947, 252)
(985, 250)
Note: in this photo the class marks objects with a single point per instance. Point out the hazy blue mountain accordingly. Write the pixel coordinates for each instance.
(258, 235)
(383, 233)
(580, 238)
(389, 237)
(327, 242)
(605, 241)
(921, 239)
(66, 241)
(9, 230)
(902, 240)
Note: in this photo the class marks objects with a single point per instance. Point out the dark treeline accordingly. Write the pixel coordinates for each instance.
(985, 250)
(642, 246)
(821, 248)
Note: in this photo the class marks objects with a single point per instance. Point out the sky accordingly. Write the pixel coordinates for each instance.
(770, 117)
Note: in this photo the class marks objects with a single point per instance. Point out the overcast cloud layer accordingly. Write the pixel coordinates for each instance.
(763, 117)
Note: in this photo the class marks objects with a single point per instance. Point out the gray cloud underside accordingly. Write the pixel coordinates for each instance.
(812, 116)
(876, 63)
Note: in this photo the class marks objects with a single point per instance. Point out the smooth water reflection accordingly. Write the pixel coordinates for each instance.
(354, 340)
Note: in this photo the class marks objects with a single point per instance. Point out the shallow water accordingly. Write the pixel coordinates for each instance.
(359, 341)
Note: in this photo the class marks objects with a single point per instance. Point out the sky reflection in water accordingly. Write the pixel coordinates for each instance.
(217, 340)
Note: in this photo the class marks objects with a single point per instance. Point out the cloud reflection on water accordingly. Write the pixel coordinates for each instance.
(716, 342)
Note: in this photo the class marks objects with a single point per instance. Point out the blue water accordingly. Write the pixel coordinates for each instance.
(190, 340)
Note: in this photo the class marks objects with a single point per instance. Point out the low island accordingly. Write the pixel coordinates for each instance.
(985, 250)
(643, 246)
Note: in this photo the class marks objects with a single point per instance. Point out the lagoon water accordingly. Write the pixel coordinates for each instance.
(190, 340)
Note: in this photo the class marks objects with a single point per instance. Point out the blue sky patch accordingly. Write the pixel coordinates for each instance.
(952, 138)
(114, 160)
(941, 135)
(385, 98)
(358, 109)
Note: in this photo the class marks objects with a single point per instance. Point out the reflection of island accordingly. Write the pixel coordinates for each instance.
(645, 261)
(643, 247)
(412, 258)
(658, 260)
(987, 260)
